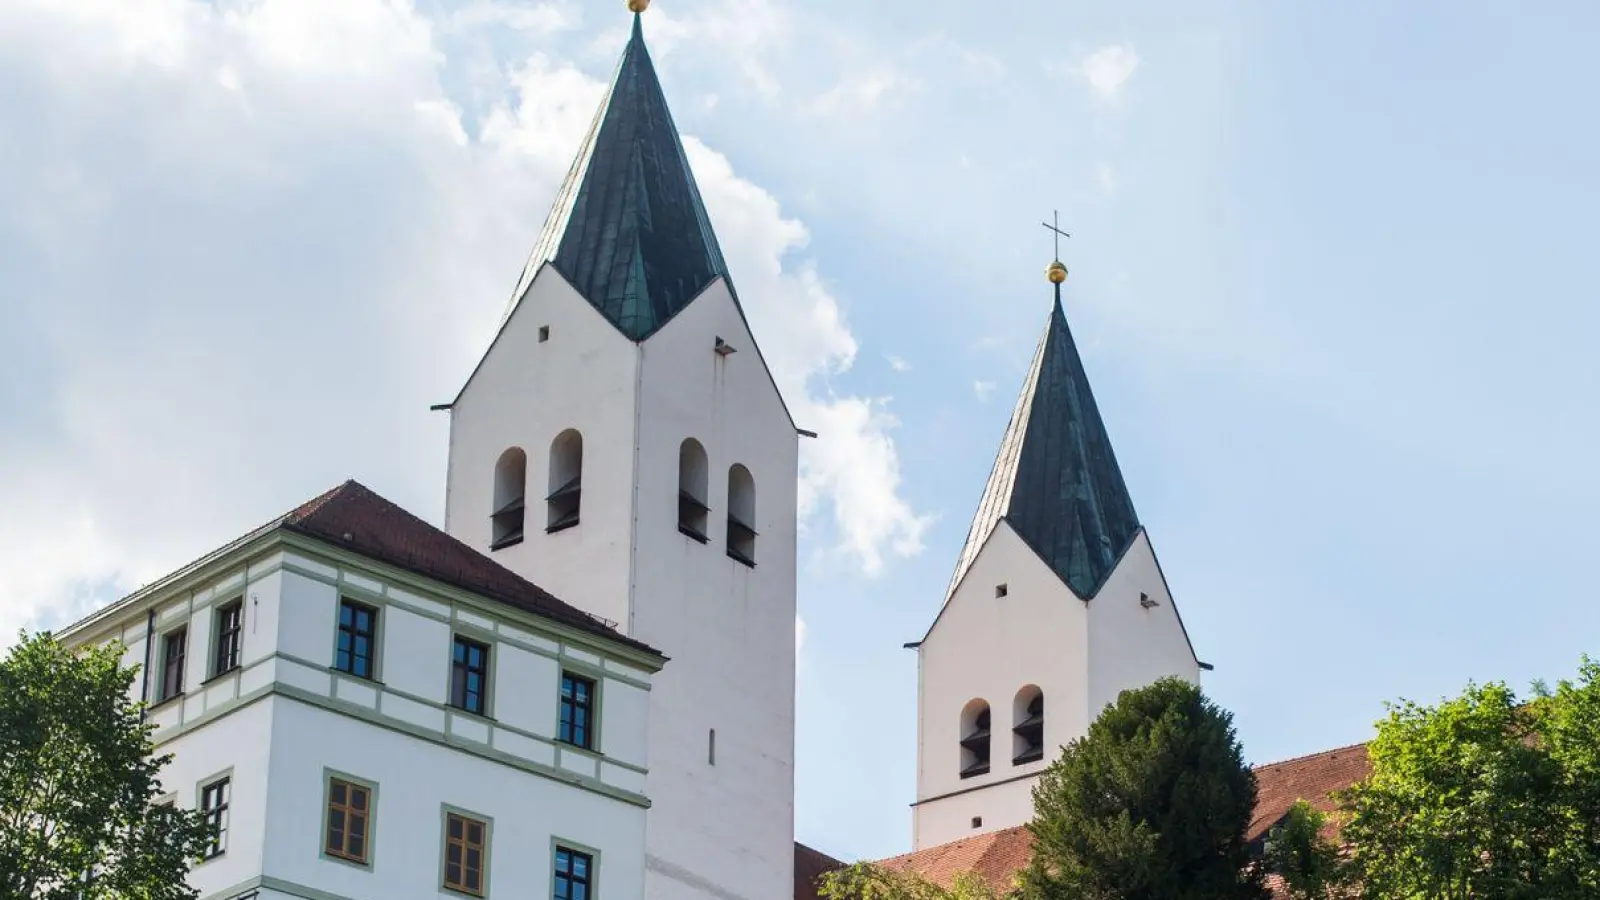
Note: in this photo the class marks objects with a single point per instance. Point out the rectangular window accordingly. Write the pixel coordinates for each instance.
(357, 630)
(573, 874)
(465, 848)
(173, 645)
(214, 804)
(230, 633)
(349, 820)
(577, 710)
(469, 676)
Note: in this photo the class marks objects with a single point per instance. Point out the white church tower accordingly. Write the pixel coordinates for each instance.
(1056, 606)
(623, 444)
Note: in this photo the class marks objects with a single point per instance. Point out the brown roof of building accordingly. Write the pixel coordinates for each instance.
(998, 855)
(809, 867)
(354, 518)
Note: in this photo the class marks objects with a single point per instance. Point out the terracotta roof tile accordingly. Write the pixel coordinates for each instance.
(995, 857)
(354, 518)
(998, 855)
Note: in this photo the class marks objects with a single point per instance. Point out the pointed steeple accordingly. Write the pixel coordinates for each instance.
(1055, 479)
(628, 228)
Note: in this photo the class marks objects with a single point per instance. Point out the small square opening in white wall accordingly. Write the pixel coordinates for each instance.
(977, 821)
(544, 333)
(1000, 590)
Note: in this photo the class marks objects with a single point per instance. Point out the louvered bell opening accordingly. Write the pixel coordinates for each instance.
(1030, 734)
(975, 747)
(563, 504)
(692, 516)
(741, 541)
(507, 524)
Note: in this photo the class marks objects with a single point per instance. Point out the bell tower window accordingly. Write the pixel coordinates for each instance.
(741, 515)
(692, 478)
(510, 489)
(566, 480)
(975, 739)
(1027, 736)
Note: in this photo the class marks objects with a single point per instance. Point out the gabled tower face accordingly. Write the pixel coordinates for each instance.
(623, 445)
(1057, 605)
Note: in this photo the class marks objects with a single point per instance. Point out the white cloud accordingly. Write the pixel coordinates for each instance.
(865, 91)
(897, 363)
(982, 390)
(248, 243)
(1107, 178)
(799, 636)
(1108, 69)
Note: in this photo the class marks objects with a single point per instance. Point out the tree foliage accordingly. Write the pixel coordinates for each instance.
(77, 784)
(1311, 866)
(1483, 796)
(866, 881)
(1152, 804)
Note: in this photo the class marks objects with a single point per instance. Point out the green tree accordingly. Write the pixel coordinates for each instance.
(1152, 804)
(1483, 796)
(866, 881)
(78, 781)
(1311, 866)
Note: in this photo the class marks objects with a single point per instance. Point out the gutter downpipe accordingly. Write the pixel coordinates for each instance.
(144, 675)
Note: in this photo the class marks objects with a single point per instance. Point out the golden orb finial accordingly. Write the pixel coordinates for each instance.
(638, 6)
(1057, 272)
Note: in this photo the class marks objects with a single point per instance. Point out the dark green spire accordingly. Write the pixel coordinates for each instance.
(629, 230)
(1055, 479)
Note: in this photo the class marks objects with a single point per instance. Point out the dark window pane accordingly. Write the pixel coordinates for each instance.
(456, 825)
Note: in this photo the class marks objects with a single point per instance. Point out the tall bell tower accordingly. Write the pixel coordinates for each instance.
(1057, 605)
(622, 444)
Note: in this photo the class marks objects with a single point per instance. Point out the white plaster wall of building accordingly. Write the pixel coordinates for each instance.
(234, 746)
(722, 821)
(557, 364)
(1011, 623)
(1131, 642)
(413, 782)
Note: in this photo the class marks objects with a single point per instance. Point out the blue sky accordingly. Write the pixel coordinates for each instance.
(1330, 278)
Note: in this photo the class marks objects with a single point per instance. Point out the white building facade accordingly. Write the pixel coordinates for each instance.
(363, 723)
(623, 443)
(1057, 605)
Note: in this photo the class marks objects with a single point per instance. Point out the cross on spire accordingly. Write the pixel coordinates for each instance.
(1059, 234)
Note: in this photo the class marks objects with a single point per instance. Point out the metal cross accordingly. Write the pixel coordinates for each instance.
(1056, 214)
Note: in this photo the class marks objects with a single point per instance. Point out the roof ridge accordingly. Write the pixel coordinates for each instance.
(1294, 759)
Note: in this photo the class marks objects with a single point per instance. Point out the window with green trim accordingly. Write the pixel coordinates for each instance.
(358, 628)
(174, 648)
(214, 799)
(349, 820)
(230, 637)
(469, 676)
(577, 711)
(574, 874)
(465, 850)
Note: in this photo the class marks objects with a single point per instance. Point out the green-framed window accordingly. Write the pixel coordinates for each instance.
(356, 652)
(574, 874)
(577, 711)
(466, 853)
(215, 797)
(347, 831)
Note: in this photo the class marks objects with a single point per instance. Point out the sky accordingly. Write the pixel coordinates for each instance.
(1330, 277)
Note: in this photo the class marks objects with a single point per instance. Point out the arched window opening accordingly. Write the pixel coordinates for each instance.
(510, 507)
(566, 480)
(693, 474)
(1027, 736)
(741, 515)
(975, 739)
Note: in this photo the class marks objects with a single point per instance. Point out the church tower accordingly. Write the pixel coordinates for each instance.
(1056, 606)
(623, 445)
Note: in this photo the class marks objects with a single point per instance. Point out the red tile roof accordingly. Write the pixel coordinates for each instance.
(354, 518)
(998, 855)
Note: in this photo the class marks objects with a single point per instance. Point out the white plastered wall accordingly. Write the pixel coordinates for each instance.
(1131, 644)
(723, 829)
(988, 647)
(524, 394)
